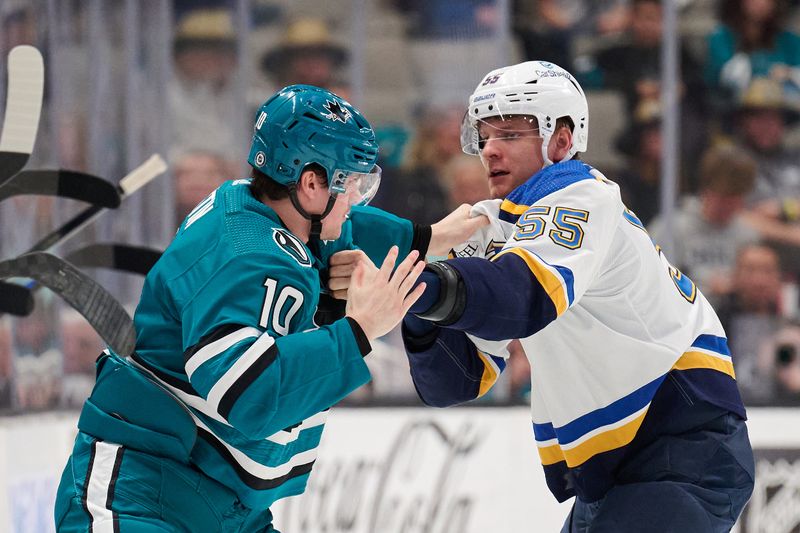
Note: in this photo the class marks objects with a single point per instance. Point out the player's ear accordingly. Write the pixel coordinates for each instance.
(309, 183)
(560, 143)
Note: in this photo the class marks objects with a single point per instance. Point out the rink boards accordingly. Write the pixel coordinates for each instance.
(407, 470)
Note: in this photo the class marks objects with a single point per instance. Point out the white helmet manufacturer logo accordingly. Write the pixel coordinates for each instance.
(261, 118)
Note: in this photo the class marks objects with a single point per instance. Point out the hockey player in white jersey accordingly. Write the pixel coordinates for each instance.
(635, 407)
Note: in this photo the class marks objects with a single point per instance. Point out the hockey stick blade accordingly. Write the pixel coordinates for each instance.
(64, 184)
(23, 108)
(136, 179)
(15, 299)
(18, 300)
(103, 312)
(122, 257)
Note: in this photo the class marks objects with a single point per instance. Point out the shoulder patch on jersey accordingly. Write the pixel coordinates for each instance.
(292, 246)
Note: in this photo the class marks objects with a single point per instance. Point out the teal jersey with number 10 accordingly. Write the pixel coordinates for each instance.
(226, 324)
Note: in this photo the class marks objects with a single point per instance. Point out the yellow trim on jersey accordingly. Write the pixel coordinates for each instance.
(514, 209)
(490, 373)
(550, 455)
(551, 283)
(690, 360)
(609, 440)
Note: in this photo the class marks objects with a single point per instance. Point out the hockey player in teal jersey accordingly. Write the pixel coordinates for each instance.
(634, 404)
(220, 410)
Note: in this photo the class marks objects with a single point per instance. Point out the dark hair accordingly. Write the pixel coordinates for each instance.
(731, 13)
(565, 121)
(264, 186)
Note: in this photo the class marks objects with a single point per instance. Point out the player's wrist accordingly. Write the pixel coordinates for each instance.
(451, 300)
(421, 239)
(430, 295)
(362, 337)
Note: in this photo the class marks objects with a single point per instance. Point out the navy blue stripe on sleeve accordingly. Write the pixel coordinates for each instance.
(504, 298)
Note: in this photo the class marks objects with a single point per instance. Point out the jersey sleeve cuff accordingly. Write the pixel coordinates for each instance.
(421, 239)
(361, 338)
(418, 334)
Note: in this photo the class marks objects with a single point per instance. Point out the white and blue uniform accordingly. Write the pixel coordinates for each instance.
(603, 318)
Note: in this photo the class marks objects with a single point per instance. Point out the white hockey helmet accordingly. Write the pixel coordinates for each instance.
(534, 88)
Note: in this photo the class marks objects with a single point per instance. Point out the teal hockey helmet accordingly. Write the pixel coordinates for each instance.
(303, 124)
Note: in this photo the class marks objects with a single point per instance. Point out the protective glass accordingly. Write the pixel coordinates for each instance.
(476, 132)
(359, 187)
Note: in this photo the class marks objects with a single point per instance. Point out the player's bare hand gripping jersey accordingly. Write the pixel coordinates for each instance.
(602, 316)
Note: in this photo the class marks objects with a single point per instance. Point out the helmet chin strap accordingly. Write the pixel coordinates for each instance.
(316, 219)
(546, 158)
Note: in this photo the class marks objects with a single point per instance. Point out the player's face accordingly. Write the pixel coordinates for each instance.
(511, 151)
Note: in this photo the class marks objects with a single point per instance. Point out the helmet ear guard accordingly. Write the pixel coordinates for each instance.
(535, 88)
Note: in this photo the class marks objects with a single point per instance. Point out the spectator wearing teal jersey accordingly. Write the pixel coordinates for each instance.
(750, 43)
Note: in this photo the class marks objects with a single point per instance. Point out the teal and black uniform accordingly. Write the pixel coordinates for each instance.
(220, 410)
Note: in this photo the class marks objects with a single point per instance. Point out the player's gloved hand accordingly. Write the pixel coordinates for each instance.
(340, 270)
(377, 298)
(454, 229)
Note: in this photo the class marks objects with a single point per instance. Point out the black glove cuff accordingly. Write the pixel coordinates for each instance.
(361, 338)
(452, 295)
(421, 239)
(418, 344)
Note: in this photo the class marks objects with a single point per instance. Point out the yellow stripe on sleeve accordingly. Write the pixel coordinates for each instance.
(690, 360)
(552, 285)
(489, 376)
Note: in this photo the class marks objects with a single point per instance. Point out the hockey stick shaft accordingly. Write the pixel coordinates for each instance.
(136, 179)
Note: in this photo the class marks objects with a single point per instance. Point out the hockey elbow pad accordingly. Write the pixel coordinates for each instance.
(452, 295)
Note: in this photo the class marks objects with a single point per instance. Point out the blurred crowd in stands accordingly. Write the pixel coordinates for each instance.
(735, 230)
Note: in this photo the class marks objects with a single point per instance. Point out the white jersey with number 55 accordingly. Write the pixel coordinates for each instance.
(621, 318)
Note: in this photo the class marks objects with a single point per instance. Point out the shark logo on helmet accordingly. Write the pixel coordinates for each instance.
(336, 112)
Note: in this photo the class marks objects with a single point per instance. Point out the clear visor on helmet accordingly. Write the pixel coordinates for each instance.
(476, 132)
(359, 187)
